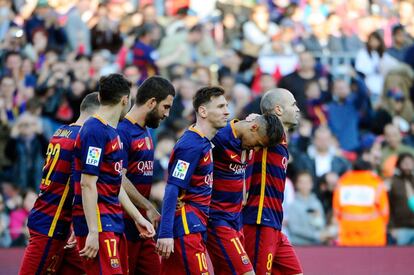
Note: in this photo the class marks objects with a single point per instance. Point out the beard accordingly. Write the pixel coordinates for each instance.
(153, 119)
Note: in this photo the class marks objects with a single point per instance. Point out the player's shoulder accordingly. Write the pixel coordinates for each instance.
(191, 141)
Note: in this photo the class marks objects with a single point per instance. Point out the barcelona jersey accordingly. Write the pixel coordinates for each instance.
(52, 211)
(264, 204)
(230, 162)
(98, 152)
(138, 160)
(191, 169)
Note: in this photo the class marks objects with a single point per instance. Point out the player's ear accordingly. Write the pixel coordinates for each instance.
(125, 100)
(151, 103)
(278, 110)
(254, 127)
(202, 111)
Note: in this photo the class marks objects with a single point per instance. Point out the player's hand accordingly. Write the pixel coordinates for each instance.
(154, 217)
(71, 243)
(251, 117)
(165, 247)
(91, 246)
(145, 228)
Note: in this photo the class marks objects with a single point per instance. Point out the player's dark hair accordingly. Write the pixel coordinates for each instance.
(90, 103)
(112, 88)
(204, 95)
(274, 129)
(154, 86)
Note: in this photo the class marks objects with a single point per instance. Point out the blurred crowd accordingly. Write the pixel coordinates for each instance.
(349, 64)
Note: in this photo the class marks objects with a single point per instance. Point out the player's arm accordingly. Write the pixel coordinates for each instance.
(180, 172)
(92, 147)
(145, 228)
(140, 201)
(133, 194)
(89, 202)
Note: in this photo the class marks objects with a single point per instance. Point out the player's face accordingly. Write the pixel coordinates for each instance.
(291, 113)
(217, 112)
(160, 111)
(253, 140)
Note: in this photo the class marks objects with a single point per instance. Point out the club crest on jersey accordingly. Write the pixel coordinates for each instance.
(180, 169)
(245, 260)
(114, 263)
(94, 153)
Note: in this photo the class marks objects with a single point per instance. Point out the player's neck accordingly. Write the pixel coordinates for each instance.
(241, 127)
(205, 128)
(82, 118)
(138, 114)
(110, 114)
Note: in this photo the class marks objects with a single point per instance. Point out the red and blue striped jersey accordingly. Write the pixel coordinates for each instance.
(264, 204)
(52, 211)
(98, 152)
(230, 162)
(138, 160)
(191, 169)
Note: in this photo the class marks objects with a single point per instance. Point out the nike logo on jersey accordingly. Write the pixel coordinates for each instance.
(233, 156)
(140, 145)
(206, 158)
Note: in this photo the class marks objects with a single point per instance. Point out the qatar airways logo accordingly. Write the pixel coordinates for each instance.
(209, 179)
(238, 169)
(118, 167)
(145, 168)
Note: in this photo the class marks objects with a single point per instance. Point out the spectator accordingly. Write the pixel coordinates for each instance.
(344, 113)
(321, 157)
(182, 107)
(267, 82)
(258, 30)
(144, 54)
(392, 148)
(316, 108)
(191, 48)
(374, 63)
(306, 221)
(399, 46)
(409, 138)
(5, 239)
(25, 149)
(360, 206)
(105, 35)
(78, 32)
(401, 198)
(297, 80)
(396, 96)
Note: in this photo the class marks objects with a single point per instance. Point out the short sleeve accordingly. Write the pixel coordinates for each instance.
(92, 150)
(126, 146)
(183, 163)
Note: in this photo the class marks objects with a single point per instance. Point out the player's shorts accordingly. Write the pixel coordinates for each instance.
(45, 255)
(225, 246)
(189, 257)
(142, 257)
(112, 257)
(270, 251)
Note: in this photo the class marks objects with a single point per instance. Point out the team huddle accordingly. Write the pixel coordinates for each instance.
(223, 196)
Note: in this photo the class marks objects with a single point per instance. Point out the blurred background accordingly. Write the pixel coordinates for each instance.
(349, 64)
